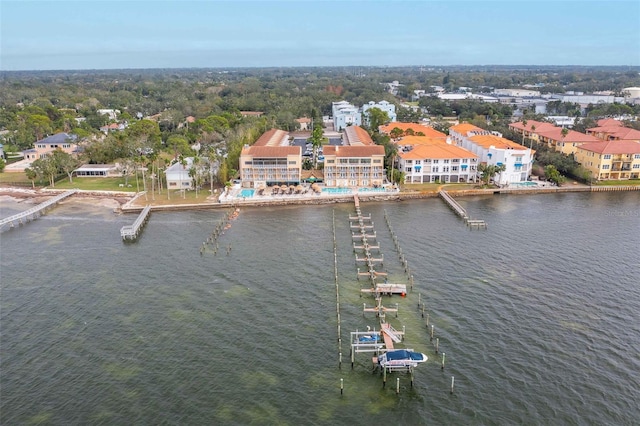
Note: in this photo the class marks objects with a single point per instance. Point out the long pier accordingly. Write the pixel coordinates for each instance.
(35, 212)
(130, 232)
(460, 211)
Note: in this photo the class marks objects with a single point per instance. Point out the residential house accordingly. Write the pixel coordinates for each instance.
(177, 175)
(251, 113)
(615, 160)
(434, 160)
(492, 149)
(345, 114)
(44, 147)
(352, 166)
(304, 123)
(384, 106)
(113, 127)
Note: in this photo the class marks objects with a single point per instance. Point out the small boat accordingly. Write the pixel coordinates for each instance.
(401, 358)
(375, 338)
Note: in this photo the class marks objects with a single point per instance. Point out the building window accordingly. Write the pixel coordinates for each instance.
(446, 161)
(435, 161)
(607, 156)
(408, 170)
(636, 156)
(434, 169)
(636, 166)
(605, 166)
(418, 162)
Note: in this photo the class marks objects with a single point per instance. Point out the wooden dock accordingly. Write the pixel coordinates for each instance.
(34, 212)
(386, 288)
(460, 211)
(131, 232)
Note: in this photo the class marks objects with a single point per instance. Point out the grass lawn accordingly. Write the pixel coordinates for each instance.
(14, 177)
(175, 197)
(618, 182)
(99, 184)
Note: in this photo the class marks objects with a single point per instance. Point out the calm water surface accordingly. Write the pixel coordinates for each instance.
(538, 315)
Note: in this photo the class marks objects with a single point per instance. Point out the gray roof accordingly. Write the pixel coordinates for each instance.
(58, 138)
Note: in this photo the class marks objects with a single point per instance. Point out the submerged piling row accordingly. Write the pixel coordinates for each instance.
(335, 275)
(212, 240)
(401, 256)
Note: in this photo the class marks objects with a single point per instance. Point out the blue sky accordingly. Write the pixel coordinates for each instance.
(175, 34)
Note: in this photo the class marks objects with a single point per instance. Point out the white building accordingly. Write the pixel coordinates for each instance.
(519, 93)
(495, 150)
(178, 174)
(345, 114)
(385, 106)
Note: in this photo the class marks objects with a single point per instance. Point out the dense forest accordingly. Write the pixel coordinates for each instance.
(36, 104)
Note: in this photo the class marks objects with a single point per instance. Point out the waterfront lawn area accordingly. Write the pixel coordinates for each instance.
(99, 184)
(176, 198)
(633, 182)
(15, 177)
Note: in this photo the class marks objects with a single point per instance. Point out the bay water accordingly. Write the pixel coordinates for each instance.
(539, 315)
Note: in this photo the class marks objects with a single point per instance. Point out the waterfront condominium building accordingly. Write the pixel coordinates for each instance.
(616, 160)
(270, 160)
(345, 114)
(350, 166)
(384, 106)
(493, 149)
(425, 160)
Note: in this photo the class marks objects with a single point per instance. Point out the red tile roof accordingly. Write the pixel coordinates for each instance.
(427, 130)
(357, 135)
(612, 147)
(556, 134)
(487, 141)
(353, 151)
(271, 137)
(251, 113)
(420, 140)
(609, 122)
(271, 151)
(465, 128)
(539, 126)
(617, 132)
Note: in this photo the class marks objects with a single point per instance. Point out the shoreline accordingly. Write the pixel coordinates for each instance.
(122, 202)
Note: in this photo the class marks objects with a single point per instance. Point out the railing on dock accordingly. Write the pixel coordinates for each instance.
(130, 232)
(460, 211)
(35, 212)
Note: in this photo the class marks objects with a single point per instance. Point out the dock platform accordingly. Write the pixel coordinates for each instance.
(386, 288)
(131, 232)
(35, 212)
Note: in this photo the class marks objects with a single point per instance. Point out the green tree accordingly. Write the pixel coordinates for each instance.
(46, 168)
(31, 175)
(317, 139)
(488, 171)
(65, 162)
(377, 118)
(552, 174)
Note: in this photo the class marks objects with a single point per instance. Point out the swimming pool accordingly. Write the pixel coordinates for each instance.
(372, 189)
(246, 193)
(337, 190)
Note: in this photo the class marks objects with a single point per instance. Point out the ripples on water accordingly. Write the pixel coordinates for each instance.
(537, 316)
